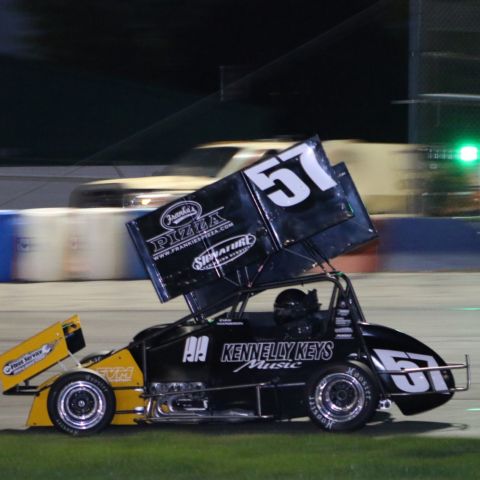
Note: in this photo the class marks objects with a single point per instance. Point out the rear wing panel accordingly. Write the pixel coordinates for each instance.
(298, 259)
(272, 220)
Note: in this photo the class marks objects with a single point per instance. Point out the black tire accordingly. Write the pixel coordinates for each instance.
(342, 397)
(81, 403)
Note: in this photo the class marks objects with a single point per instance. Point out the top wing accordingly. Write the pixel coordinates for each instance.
(274, 219)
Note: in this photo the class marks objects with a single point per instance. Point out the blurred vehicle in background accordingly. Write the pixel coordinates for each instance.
(197, 168)
(135, 192)
(387, 176)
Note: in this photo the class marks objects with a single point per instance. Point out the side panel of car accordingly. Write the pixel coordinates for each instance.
(413, 392)
(236, 353)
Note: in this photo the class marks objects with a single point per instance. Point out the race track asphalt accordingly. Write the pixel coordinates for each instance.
(440, 309)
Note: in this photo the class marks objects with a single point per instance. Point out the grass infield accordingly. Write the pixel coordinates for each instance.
(282, 451)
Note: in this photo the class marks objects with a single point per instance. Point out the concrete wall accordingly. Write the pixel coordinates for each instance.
(93, 244)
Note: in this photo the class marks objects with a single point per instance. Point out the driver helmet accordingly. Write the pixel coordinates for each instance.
(294, 304)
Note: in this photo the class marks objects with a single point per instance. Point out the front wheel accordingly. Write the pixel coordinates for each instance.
(342, 397)
(81, 403)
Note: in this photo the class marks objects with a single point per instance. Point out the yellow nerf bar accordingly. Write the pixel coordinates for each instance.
(40, 352)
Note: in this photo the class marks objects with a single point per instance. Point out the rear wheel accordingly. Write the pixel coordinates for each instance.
(342, 397)
(81, 403)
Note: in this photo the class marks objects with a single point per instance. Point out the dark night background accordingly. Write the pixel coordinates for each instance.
(138, 81)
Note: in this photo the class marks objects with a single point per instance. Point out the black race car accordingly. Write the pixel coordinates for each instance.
(298, 359)
(310, 354)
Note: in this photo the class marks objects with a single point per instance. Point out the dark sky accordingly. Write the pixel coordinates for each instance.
(135, 80)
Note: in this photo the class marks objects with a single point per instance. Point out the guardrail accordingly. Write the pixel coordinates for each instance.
(63, 244)
(418, 244)
(60, 244)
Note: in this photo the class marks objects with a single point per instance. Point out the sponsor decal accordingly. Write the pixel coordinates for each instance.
(185, 225)
(195, 349)
(275, 355)
(229, 322)
(264, 365)
(224, 252)
(344, 333)
(25, 244)
(116, 374)
(180, 214)
(77, 242)
(354, 372)
(14, 367)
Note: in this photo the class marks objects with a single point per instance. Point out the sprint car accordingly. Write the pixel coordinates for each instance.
(308, 355)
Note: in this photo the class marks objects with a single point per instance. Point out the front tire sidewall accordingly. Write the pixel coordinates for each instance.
(342, 397)
(92, 390)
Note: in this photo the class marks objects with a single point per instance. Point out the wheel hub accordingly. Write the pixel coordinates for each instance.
(81, 405)
(339, 397)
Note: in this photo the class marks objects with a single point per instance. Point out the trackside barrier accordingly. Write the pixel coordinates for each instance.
(99, 246)
(93, 244)
(41, 237)
(134, 269)
(8, 220)
(417, 244)
(429, 244)
(96, 244)
(364, 260)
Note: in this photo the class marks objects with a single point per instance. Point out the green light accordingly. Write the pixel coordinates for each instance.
(468, 153)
